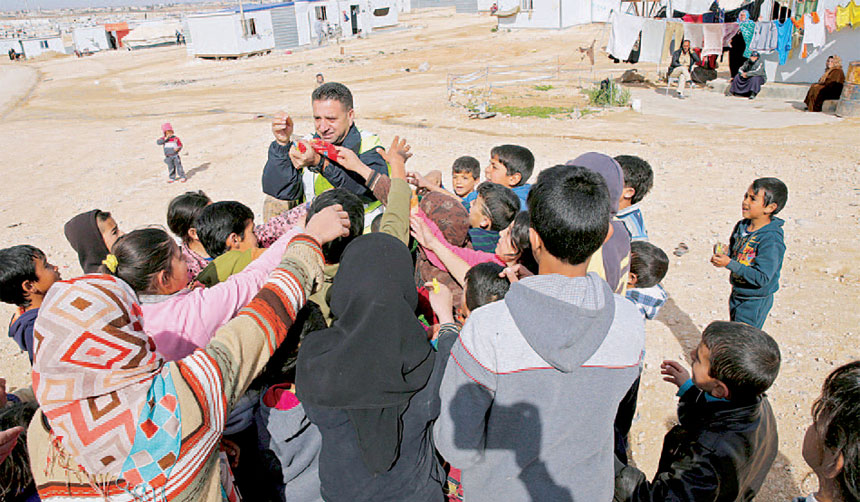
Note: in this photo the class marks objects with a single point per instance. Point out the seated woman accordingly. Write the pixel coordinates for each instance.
(829, 86)
(749, 79)
(116, 421)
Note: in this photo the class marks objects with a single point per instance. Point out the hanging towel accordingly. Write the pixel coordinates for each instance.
(747, 30)
(765, 37)
(813, 34)
(674, 31)
(729, 32)
(830, 20)
(843, 17)
(783, 46)
(713, 39)
(651, 47)
(854, 13)
(625, 32)
(693, 32)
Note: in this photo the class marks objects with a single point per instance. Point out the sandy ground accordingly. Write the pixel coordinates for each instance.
(85, 138)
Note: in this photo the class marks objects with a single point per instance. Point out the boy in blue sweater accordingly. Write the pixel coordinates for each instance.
(756, 251)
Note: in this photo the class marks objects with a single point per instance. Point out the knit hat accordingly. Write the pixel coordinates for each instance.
(166, 127)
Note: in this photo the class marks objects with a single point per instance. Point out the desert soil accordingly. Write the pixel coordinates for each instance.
(80, 134)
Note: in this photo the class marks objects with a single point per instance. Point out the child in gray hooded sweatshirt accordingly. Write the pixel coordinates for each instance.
(532, 386)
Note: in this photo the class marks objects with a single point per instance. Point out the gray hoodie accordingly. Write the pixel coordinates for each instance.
(531, 389)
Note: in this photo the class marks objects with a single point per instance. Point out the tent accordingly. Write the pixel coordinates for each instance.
(152, 34)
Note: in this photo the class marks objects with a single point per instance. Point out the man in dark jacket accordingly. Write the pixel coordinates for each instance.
(726, 441)
(295, 172)
(683, 60)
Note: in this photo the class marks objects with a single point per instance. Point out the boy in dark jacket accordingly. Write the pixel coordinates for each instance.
(756, 251)
(726, 441)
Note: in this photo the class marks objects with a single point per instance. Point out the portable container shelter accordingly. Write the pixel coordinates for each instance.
(37, 46)
(230, 33)
(10, 43)
(554, 13)
(90, 38)
(384, 13)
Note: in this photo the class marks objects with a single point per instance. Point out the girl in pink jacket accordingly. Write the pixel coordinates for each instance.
(180, 320)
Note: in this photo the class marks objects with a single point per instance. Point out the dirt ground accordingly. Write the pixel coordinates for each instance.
(80, 134)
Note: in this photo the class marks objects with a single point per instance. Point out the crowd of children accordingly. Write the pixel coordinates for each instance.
(485, 344)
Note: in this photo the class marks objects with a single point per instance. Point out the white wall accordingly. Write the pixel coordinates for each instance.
(574, 12)
(221, 34)
(544, 15)
(90, 38)
(406, 5)
(388, 20)
(7, 43)
(33, 47)
(304, 22)
(845, 43)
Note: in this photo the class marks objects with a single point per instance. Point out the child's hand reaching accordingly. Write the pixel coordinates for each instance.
(396, 156)
(328, 224)
(349, 160)
(720, 260)
(418, 180)
(422, 234)
(674, 372)
(442, 302)
(515, 272)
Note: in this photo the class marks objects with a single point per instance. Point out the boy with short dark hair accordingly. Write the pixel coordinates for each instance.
(755, 252)
(226, 226)
(533, 383)
(727, 440)
(465, 174)
(648, 266)
(510, 166)
(638, 180)
(25, 277)
(492, 210)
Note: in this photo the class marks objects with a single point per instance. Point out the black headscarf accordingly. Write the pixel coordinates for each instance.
(375, 356)
(86, 239)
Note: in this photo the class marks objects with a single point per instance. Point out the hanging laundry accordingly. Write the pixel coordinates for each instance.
(843, 17)
(765, 37)
(813, 34)
(674, 31)
(713, 39)
(783, 45)
(651, 46)
(854, 13)
(747, 30)
(625, 32)
(693, 18)
(798, 22)
(729, 32)
(830, 20)
(693, 32)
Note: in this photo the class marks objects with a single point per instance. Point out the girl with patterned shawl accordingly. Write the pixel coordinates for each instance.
(118, 422)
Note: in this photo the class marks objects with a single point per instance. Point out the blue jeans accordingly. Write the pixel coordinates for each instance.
(750, 310)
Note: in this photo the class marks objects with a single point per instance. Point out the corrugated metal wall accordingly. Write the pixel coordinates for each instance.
(423, 4)
(284, 27)
(467, 6)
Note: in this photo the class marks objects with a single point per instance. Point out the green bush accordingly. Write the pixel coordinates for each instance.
(607, 93)
(530, 111)
(543, 87)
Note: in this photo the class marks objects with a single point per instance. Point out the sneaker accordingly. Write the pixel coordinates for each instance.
(182, 180)
(753, 95)
(170, 180)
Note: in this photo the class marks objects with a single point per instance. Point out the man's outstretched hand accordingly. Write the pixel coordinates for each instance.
(282, 128)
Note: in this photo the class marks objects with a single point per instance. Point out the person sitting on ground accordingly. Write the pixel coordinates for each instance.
(638, 180)
(370, 382)
(160, 431)
(749, 79)
(727, 440)
(295, 172)
(25, 278)
(831, 446)
(829, 86)
(612, 260)
(180, 319)
(683, 60)
(527, 413)
(648, 266)
(91, 235)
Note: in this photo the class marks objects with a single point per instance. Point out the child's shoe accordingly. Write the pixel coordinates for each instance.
(182, 180)
(170, 180)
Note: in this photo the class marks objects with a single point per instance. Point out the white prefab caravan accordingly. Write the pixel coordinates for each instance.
(384, 13)
(10, 43)
(230, 33)
(37, 46)
(337, 19)
(90, 38)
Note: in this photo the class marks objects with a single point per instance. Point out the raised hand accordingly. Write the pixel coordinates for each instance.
(441, 301)
(328, 224)
(282, 128)
(673, 372)
(303, 155)
(515, 272)
(396, 156)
